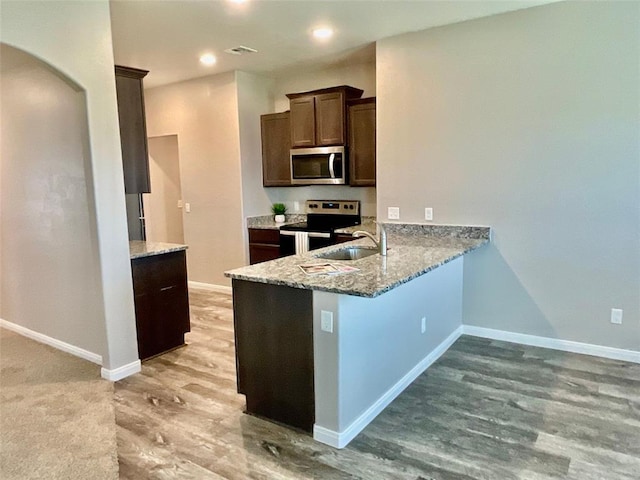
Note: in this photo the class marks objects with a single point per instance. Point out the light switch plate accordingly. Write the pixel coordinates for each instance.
(187, 207)
(326, 321)
(393, 213)
(428, 213)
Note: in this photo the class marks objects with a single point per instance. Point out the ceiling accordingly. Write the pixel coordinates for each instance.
(167, 37)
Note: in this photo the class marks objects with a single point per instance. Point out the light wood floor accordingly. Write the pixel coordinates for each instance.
(485, 410)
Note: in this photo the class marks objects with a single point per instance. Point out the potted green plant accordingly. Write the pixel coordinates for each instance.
(279, 209)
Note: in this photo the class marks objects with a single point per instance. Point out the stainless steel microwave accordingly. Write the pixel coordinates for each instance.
(318, 166)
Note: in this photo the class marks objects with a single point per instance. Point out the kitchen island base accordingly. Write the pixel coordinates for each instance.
(274, 351)
(335, 382)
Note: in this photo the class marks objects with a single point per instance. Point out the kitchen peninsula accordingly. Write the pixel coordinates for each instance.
(327, 353)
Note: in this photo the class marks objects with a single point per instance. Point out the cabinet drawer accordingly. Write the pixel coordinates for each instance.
(159, 271)
(264, 235)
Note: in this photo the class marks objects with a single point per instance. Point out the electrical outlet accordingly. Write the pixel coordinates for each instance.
(616, 316)
(428, 213)
(296, 206)
(187, 207)
(179, 203)
(423, 325)
(326, 321)
(393, 213)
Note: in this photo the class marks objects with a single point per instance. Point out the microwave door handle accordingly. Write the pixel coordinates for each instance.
(331, 171)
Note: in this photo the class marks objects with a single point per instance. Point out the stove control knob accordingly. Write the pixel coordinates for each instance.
(351, 207)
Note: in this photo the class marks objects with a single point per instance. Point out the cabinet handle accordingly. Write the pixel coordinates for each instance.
(167, 288)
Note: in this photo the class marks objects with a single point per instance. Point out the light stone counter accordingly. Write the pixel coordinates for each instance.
(140, 248)
(413, 251)
(267, 222)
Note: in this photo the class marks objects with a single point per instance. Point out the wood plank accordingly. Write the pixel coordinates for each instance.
(485, 410)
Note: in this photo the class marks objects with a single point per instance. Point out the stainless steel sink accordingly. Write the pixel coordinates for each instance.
(350, 253)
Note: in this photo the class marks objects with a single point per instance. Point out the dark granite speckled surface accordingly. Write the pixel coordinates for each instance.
(411, 254)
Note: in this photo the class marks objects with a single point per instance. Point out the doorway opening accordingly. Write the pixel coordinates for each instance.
(163, 207)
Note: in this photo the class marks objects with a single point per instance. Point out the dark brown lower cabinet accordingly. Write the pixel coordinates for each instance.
(161, 302)
(273, 328)
(264, 244)
(343, 237)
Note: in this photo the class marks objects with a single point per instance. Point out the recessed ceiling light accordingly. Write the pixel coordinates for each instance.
(322, 33)
(238, 1)
(208, 59)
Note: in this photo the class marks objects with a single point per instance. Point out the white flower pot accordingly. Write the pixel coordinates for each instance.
(279, 218)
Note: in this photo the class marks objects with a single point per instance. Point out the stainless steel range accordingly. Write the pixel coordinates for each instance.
(323, 218)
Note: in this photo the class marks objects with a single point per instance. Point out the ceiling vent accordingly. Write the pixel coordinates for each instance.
(241, 50)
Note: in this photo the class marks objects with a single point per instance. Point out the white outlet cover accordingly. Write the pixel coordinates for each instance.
(393, 213)
(428, 213)
(616, 316)
(326, 321)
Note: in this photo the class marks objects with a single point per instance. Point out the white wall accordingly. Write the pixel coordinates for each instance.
(84, 54)
(361, 76)
(527, 122)
(203, 113)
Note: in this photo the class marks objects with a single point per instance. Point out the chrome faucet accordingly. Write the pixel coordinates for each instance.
(381, 243)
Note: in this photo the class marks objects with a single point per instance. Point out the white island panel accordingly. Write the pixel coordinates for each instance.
(377, 348)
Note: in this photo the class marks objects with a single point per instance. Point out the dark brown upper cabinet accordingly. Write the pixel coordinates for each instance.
(318, 118)
(276, 143)
(362, 142)
(133, 129)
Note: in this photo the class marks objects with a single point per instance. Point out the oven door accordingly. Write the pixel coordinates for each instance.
(318, 166)
(289, 245)
(320, 240)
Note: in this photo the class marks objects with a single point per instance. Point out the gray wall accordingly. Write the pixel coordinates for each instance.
(378, 341)
(50, 277)
(203, 113)
(527, 122)
(86, 56)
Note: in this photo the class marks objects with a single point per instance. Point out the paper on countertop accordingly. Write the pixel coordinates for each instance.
(327, 268)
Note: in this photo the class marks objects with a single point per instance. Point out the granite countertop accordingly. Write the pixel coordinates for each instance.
(413, 251)
(266, 222)
(141, 248)
(367, 225)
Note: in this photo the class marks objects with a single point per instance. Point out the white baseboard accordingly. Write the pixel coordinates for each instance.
(554, 343)
(121, 372)
(210, 286)
(52, 342)
(342, 439)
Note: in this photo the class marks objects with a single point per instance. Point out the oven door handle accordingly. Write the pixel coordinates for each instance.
(291, 233)
(331, 170)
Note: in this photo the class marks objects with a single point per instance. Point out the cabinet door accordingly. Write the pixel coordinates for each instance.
(362, 144)
(261, 252)
(303, 122)
(133, 130)
(161, 302)
(276, 143)
(330, 124)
